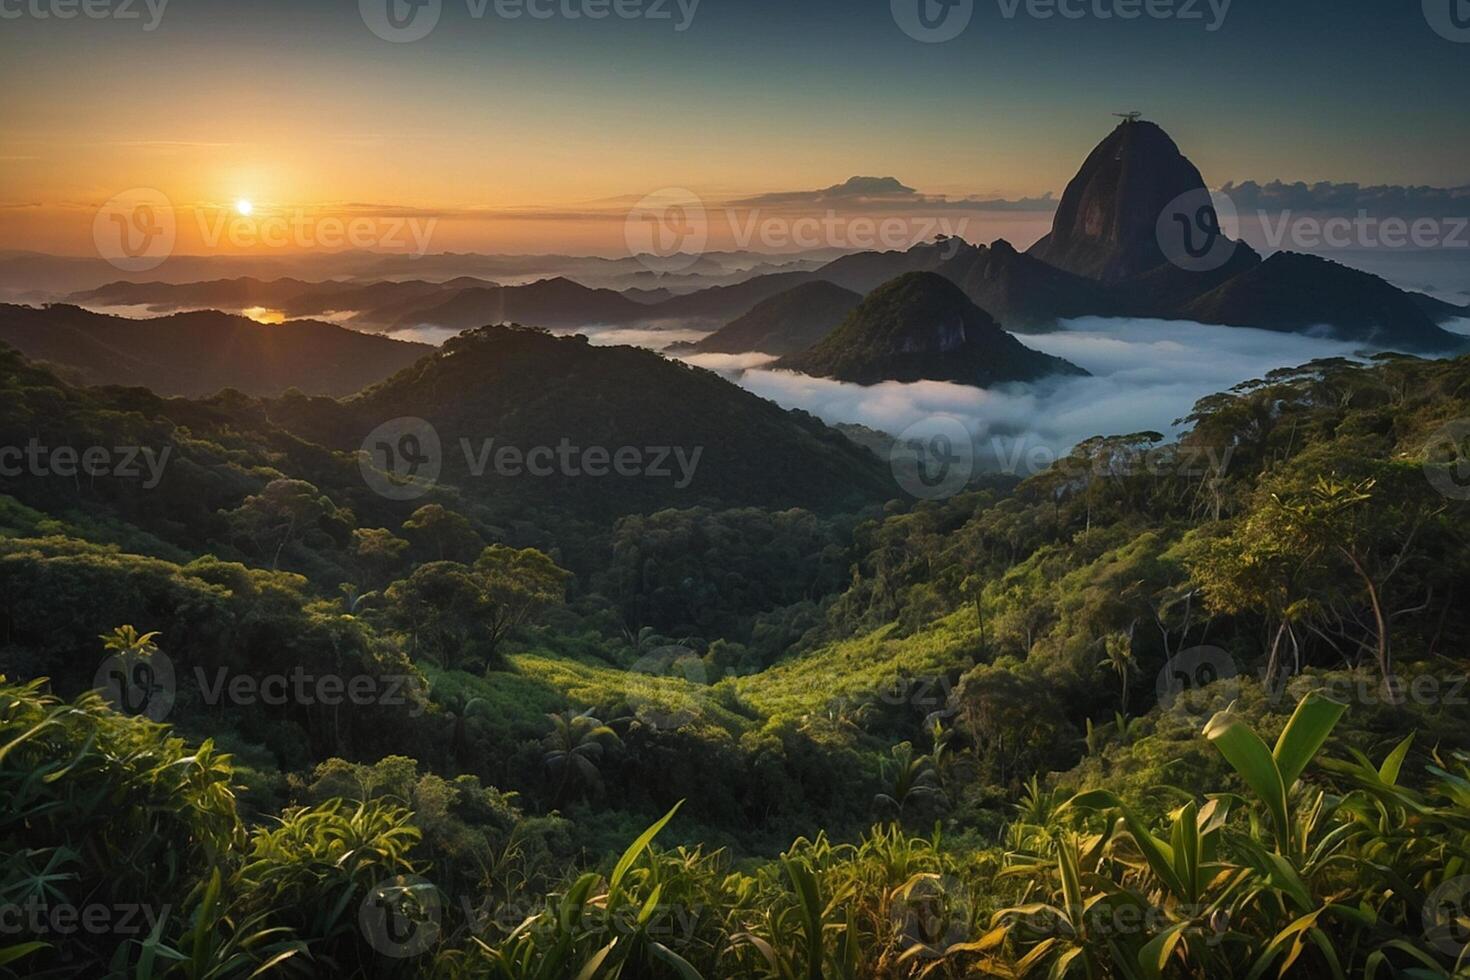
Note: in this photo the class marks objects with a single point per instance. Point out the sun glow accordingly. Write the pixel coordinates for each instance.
(243, 206)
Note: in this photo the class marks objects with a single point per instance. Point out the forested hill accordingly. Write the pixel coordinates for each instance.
(1034, 669)
(507, 386)
(201, 353)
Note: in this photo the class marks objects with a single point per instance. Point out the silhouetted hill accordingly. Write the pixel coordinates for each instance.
(1299, 293)
(725, 303)
(1023, 292)
(922, 326)
(1439, 311)
(200, 353)
(556, 302)
(863, 272)
(1106, 225)
(294, 297)
(786, 323)
(524, 388)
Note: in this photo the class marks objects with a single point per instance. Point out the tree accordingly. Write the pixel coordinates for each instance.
(439, 534)
(573, 749)
(1119, 647)
(378, 553)
(281, 513)
(909, 777)
(514, 586)
(439, 606)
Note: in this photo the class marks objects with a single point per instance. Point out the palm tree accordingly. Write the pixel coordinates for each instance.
(574, 745)
(909, 778)
(460, 707)
(1119, 648)
(128, 643)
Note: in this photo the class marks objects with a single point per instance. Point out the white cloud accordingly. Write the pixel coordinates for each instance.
(1146, 374)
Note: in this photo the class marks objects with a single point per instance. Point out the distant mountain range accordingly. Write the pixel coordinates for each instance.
(200, 353)
(918, 327)
(786, 323)
(1104, 256)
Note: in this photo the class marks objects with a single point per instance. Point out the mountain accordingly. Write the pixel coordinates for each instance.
(197, 354)
(1438, 309)
(293, 297)
(1023, 292)
(513, 387)
(1300, 293)
(862, 272)
(556, 302)
(1107, 229)
(724, 303)
(921, 326)
(1106, 225)
(786, 323)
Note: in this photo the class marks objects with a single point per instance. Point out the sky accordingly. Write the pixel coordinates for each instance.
(539, 133)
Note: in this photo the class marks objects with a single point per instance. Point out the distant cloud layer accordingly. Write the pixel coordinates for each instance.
(1381, 199)
(887, 193)
(1146, 375)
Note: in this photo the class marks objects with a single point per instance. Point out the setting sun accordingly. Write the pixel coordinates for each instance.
(244, 207)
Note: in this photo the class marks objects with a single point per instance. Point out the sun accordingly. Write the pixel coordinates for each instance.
(243, 206)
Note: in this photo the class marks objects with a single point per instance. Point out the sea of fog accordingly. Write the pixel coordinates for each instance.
(1146, 375)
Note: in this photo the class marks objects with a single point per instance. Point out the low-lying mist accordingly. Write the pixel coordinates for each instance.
(1146, 374)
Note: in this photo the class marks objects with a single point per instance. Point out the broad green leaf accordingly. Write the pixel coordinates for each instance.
(1248, 755)
(1304, 735)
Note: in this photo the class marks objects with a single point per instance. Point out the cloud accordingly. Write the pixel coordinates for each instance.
(878, 193)
(1146, 375)
(855, 190)
(1381, 199)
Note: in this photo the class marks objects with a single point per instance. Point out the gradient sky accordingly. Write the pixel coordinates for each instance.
(298, 104)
